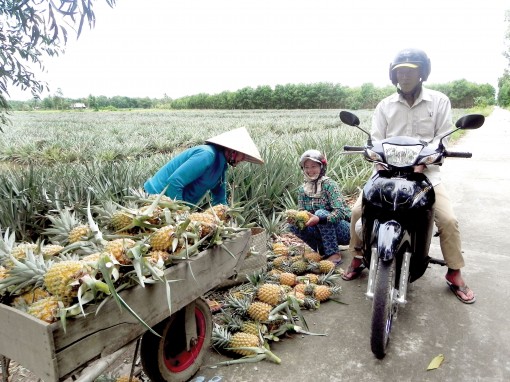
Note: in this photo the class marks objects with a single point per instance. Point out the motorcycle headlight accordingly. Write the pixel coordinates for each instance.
(401, 156)
(373, 156)
(429, 159)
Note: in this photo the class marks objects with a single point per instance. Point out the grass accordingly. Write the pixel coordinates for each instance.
(62, 157)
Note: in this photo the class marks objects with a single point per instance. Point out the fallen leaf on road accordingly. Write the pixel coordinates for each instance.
(436, 362)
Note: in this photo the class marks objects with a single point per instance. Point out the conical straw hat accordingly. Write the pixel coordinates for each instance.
(238, 140)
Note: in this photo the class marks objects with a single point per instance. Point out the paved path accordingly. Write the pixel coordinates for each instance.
(474, 339)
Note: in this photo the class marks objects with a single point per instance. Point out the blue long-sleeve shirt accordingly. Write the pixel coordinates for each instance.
(191, 174)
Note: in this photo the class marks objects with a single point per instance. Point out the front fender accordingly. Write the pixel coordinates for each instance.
(390, 238)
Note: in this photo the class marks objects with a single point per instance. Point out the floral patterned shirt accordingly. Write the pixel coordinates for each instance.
(331, 200)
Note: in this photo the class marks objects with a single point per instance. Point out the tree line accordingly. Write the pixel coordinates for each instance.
(463, 94)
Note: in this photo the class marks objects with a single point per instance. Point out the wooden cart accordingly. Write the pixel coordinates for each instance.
(54, 355)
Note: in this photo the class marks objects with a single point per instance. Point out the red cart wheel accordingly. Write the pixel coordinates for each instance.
(166, 358)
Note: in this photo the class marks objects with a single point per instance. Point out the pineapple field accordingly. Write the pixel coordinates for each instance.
(78, 232)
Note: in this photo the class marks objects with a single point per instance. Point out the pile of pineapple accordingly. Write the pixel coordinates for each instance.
(270, 304)
(79, 259)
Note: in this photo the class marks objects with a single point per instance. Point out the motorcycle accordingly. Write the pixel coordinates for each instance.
(397, 219)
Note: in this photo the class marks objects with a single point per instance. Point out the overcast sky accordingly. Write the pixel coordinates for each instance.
(155, 47)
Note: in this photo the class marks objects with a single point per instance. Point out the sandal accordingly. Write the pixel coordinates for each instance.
(457, 290)
(354, 272)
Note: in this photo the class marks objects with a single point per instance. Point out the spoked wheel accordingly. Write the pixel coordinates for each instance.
(166, 358)
(383, 308)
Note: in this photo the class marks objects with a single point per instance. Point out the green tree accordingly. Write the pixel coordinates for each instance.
(31, 30)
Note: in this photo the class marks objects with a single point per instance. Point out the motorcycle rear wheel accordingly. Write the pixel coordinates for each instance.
(166, 358)
(383, 307)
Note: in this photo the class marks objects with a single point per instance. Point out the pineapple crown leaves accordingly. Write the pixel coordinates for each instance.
(106, 270)
(7, 243)
(26, 272)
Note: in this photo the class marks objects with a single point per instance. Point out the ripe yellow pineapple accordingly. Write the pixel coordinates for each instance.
(326, 266)
(280, 249)
(270, 293)
(297, 218)
(287, 278)
(299, 267)
(162, 239)
(223, 339)
(220, 211)
(119, 248)
(324, 292)
(156, 257)
(78, 233)
(62, 279)
(45, 309)
(120, 220)
(125, 378)
(50, 250)
(259, 311)
(30, 297)
(206, 223)
(3, 273)
(313, 256)
(280, 262)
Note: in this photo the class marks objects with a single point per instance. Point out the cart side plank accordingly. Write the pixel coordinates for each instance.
(55, 354)
(24, 338)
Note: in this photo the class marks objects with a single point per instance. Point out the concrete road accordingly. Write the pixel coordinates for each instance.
(474, 339)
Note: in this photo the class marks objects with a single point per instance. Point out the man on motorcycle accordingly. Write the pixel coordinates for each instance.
(425, 114)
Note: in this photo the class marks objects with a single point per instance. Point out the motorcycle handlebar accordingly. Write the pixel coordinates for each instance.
(457, 154)
(354, 148)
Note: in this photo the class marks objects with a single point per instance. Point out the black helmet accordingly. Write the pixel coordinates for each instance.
(413, 58)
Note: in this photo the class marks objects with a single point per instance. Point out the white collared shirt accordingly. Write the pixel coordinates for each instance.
(428, 118)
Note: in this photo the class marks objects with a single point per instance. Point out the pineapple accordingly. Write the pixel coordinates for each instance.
(79, 233)
(259, 311)
(223, 339)
(206, 223)
(45, 309)
(162, 239)
(280, 262)
(280, 249)
(313, 256)
(299, 267)
(220, 211)
(287, 278)
(30, 297)
(158, 257)
(326, 266)
(271, 294)
(119, 249)
(324, 292)
(66, 228)
(297, 218)
(50, 250)
(120, 220)
(62, 279)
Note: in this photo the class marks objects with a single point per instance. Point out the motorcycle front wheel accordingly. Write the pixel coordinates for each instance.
(383, 307)
(167, 358)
